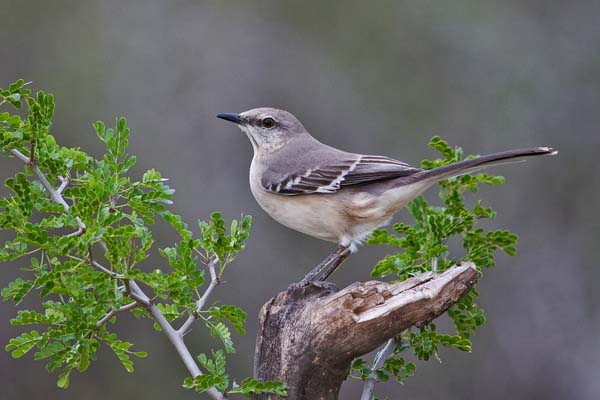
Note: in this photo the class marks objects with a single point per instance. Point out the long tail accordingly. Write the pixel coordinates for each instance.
(466, 166)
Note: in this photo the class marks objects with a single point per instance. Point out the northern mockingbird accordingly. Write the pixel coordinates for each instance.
(331, 194)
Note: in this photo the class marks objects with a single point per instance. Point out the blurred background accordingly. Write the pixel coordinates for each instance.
(375, 77)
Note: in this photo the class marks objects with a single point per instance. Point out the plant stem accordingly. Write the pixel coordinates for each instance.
(114, 311)
(214, 281)
(378, 363)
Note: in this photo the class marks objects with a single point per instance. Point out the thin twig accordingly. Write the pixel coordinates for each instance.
(113, 311)
(78, 232)
(214, 281)
(380, 358)
(57, 197)
(20, 155)
(54, 194)
(64, 182)
(107, 271)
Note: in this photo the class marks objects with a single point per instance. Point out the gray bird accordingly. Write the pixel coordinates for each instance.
(331, 194)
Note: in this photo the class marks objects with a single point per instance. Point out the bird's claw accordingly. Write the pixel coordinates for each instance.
(306, 283)
(298, 285)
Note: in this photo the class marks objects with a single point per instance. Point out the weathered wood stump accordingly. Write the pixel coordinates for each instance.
(309, 336)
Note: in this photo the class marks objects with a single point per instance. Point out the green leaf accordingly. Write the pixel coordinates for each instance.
(443, 147)
(235, 315)
(361, 367)
(26, 317)
(16, 290)
(170, 311)
(252, 386)
(216, 368)
(13, 87)
(398, 368)
(121, 350)
(202, 383)
(63, 379)
(15, 97)
(220, 331)
(23, 343)
(177, 222)
(49, 350)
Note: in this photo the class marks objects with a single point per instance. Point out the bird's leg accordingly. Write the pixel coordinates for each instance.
(327, 267)
(340, 256)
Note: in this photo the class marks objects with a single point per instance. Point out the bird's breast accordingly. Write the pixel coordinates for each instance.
(313, 215)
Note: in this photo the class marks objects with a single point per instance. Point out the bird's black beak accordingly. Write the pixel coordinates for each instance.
(231, 117)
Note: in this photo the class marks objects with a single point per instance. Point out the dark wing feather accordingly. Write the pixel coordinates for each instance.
(330, 177)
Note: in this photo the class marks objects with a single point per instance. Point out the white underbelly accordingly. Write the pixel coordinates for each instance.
(306, 214)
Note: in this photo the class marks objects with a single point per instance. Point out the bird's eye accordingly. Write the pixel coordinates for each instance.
(268, 122)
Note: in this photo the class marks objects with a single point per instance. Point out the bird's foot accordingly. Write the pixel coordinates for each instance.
(306, 283)
(298, 285)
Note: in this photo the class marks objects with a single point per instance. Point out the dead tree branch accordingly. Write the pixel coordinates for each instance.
(308, 336)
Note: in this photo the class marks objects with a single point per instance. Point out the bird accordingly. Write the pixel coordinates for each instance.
(334, 195)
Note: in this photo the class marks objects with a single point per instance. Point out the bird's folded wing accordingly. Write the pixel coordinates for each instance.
(329, 177)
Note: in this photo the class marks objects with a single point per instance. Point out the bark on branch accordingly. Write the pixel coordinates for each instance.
(309, 336)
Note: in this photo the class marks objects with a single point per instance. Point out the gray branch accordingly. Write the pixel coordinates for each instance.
(115, 311)
(378, 363)
(107, 271)
(64, 182)
(214, 281)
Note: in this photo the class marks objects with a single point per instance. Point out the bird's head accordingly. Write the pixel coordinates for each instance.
(268, 129)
